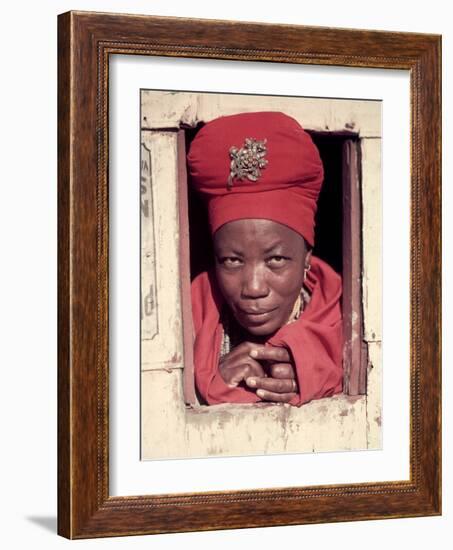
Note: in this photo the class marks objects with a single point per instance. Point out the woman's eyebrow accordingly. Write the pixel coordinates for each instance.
(227, 251)
(274, 246)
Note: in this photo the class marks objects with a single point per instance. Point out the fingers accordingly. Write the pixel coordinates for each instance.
(245, 348)
(235, 370)
(247, 360)
(271, 353)
(282, 370)
(235, 375)
(281, 385)
(276, 397)
(273, 385)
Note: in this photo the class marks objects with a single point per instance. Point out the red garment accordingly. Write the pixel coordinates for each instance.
(315, 340)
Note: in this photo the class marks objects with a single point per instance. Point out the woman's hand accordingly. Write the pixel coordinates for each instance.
(281, 385)
(239, 365)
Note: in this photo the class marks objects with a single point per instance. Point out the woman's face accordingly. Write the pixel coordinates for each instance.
(260, 270)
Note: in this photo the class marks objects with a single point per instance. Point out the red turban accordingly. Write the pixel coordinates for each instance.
(257, 165)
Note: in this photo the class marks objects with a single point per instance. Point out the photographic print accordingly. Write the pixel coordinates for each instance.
(260, 274)
(260, 336)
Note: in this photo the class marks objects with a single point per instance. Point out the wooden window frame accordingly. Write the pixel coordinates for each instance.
(355, 354)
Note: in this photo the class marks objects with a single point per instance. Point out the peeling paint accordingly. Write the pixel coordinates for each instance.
(317, 114)
(352, 398)
(212, 451)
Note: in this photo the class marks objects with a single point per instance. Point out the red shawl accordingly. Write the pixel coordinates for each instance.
(315, 340)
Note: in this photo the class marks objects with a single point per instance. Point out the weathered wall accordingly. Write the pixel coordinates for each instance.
(169, 428)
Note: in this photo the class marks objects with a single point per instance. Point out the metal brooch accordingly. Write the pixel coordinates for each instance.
(247, 161)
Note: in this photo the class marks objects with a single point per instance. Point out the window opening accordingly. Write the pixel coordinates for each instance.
(337, 241)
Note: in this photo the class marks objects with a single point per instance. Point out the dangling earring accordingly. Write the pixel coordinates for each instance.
(306, 270)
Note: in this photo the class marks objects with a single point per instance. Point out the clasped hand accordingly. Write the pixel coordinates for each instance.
(266, 369)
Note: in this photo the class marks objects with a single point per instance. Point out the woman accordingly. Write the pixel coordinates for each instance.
(267, 319)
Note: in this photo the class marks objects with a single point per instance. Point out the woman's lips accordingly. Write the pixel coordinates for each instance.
(256, 316)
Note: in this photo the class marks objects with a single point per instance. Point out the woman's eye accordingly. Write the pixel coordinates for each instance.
(230, 261)
(277, 261)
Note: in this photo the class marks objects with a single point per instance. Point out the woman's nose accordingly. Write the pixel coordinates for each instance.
(254, 284)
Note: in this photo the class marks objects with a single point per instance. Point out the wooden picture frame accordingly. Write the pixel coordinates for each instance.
(85, 508)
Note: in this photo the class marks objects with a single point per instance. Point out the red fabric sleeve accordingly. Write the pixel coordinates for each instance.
(315, 341)
(317, 359)
(208, 336)
(218, 392)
